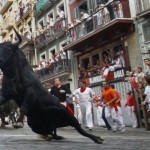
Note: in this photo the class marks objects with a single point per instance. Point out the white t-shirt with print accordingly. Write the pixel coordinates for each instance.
(147, 92)
(84, 96)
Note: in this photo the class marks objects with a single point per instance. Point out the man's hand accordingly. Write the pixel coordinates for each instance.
(62, 91)
(143, 103)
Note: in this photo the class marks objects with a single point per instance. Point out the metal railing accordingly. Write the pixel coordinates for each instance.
(54, 69)
(99, 19)
(51, 32)
(142, 5)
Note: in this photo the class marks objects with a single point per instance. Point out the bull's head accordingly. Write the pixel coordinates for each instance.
(7, 49)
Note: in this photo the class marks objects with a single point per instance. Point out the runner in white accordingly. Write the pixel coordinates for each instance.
(86, 96)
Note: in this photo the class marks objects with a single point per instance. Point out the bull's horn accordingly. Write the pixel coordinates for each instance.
(19, 37)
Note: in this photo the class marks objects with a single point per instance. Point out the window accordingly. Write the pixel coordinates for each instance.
(52, 51)
(43, 56)
(146, 31)
(41, 23)
(85, 63)
(62, 44)
(50, 15)
(95, 60)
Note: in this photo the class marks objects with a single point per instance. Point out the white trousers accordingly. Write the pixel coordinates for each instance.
(111, 117)
(99, 116)
(120, 115)
(79, 115)
(86, 113)
(132, 115)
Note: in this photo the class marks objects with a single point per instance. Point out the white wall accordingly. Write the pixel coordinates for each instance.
(132, 4)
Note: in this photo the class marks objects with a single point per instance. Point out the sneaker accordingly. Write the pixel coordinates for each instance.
(122, 128)
(114, 129)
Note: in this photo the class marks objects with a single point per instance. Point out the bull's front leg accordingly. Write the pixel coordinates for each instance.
(23, 112)
(3, 99)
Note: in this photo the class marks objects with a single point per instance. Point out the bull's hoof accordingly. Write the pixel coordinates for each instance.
(49, 137)
(98, 140)
(101, 139)
(18, 125)
(57, 137)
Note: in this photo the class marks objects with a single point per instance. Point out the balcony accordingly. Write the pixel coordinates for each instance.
(3, 32)
(5, 6)
(101, 27)
(143, 8)
(27, 43)
(8, 23)
(55, 70)
(43, 5)
(27, 10)
(51, 34)
(95, 78)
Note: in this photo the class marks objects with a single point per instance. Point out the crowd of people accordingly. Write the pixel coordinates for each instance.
(52, 26)
(57, 61)
(103, 14)
(106, 67)
(108, 102)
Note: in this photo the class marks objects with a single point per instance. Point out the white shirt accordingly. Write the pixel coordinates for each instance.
(85, 96)
(63, 55)
(62, 14)
(147, 92)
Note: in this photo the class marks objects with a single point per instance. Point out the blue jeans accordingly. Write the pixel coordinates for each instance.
(106, 122)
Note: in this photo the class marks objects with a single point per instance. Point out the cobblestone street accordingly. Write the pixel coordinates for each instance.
(25, 139)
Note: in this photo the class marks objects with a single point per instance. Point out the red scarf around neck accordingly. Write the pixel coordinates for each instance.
(82, 89)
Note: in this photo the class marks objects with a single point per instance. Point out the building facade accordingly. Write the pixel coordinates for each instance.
(143, 27)
(102, 30)
(51, 20)
(18, 14)
(142, 23)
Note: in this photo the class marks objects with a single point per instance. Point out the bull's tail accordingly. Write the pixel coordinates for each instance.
(74, 123)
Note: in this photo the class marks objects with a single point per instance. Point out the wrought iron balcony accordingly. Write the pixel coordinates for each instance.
(42, 5)
(143, 8)
(51, 33)
(5, 5)
(62, 67)
(8, 23)
(3, 32)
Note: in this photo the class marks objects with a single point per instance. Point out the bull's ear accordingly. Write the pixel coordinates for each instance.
(18, 37)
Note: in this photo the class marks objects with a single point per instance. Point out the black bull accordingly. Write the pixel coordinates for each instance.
(44, 112)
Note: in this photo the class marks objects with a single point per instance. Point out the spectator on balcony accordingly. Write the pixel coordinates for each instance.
(110, 7)
(116, 63)
(42, 36)
(106, 14)
(61, 13)
(21, 8)
(77, 28)
(63, 55)
(85, 23)
(118, 9)
(99, 14)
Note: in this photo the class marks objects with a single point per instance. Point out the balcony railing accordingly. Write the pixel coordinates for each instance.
(62, 66)
(8, 23)
(41, 5)
(5, 5)
(24, 14)
(51, 33)
(104, 16)
(142, 5)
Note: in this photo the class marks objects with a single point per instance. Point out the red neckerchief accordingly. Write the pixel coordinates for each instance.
(82, 89)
